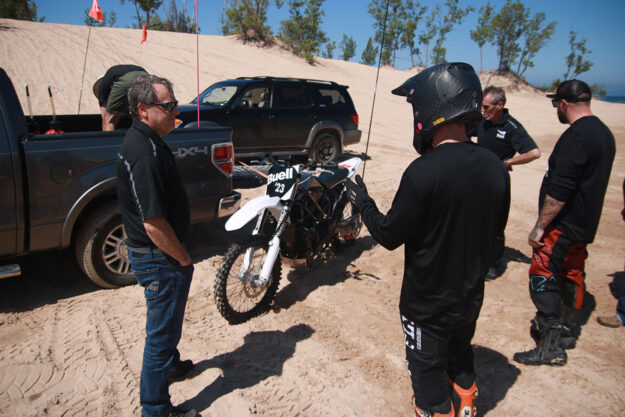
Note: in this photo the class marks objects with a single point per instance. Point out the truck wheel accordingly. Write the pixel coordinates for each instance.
(100, 248)
(325, 149)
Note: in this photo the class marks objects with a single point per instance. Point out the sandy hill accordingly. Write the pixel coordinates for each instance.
(334, 345)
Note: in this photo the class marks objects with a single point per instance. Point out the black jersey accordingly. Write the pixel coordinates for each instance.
(451, 204)
(149, 185)
(505, 137)
(578, 173)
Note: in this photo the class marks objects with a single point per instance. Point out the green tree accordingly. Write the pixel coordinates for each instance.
(426, 36)
(330, 47)
(302, 31)
(535, 38)
(147, 6)
(248, 18)
(348, 47)
(575, 62)
(414, 13)
(508, 26)
(19, 9)
(109, 19)
(483, 32)
(175, 21)
(369, 54)
(453, 16)
(396, 19)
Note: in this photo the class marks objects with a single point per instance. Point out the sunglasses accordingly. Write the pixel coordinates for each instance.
(169, 106)
(554, 102)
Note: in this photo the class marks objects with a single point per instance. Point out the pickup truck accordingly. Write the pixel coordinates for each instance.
(59, 190)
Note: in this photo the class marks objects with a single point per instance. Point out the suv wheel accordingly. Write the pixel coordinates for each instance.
(325, 149)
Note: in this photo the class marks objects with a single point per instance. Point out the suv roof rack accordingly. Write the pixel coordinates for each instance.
(271, 78)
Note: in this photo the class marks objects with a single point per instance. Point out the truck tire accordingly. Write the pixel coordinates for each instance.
(100, 248)
(325, 148)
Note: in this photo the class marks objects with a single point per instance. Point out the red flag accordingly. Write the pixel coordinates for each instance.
(95, 11)
(144, 34)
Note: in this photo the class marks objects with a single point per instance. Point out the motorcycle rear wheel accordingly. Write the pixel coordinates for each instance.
(237, 297)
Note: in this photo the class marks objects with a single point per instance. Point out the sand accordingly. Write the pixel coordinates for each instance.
(333, 344)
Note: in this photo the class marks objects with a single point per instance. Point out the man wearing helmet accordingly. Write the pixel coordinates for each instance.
(451, 204)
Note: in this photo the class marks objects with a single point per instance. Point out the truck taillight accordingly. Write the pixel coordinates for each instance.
(355, 118)
(223, 157)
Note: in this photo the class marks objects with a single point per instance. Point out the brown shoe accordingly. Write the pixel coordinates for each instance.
(610, 321)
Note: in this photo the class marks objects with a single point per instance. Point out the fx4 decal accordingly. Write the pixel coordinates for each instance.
(192, 151)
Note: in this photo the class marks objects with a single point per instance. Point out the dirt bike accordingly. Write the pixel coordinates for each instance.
(304, 213)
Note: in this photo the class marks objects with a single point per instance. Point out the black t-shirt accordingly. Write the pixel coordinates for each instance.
(505, 137)
(149, 185)
(451, 204)
(578, 173)
(110, 77)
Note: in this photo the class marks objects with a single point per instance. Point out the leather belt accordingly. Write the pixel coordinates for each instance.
(145, 249)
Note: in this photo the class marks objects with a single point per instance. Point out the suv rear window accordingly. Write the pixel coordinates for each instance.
(328, 97)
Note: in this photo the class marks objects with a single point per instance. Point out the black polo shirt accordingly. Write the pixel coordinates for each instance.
(149, 185)
(505, 137)
(578, 173)
(110, 77)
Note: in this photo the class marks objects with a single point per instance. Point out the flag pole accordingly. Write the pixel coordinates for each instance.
(197, 53)
(84, 66)
(375, 91)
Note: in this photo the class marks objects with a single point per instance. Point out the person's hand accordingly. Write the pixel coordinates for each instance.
(534, 239)
(507, 165)
(356, 192)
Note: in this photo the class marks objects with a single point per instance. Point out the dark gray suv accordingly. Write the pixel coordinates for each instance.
(279, 116)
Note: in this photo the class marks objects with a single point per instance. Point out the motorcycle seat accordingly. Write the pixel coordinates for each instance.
(330, 178)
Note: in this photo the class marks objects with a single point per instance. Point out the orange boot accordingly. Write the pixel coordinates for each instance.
(463, 400)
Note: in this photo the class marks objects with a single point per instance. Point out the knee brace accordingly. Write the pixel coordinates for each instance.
(541, 283)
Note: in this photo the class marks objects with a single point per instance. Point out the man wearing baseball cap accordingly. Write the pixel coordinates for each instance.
(570, 203)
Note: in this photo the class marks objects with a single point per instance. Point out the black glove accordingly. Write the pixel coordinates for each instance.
(356, 192)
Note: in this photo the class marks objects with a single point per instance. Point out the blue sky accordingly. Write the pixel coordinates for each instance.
(600, 22)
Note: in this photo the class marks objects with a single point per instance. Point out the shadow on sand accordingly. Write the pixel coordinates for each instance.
(495, 376)
(261, 356)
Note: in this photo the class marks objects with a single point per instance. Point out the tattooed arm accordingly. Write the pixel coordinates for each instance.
(550, 210)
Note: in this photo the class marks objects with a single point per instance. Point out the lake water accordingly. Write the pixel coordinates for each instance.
(613, 99)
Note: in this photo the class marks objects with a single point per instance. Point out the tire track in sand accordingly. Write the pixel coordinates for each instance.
(70, 364)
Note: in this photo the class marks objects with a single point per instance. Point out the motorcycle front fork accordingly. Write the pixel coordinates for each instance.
(272, 253)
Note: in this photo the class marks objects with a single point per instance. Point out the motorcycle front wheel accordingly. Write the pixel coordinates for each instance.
(238, 295)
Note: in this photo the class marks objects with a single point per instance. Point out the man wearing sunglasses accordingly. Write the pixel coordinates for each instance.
(570, 203)
(506, 137)
(155, 213)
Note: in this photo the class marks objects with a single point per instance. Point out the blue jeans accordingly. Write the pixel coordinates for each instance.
(620, 307)
(166, 288)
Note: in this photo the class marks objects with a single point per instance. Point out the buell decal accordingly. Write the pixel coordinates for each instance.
(192, 151)
(280, 176)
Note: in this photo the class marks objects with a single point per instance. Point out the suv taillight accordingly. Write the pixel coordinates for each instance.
(355, 118)
(223, 157)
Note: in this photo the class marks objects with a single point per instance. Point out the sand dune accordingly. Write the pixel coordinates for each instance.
(333, 346)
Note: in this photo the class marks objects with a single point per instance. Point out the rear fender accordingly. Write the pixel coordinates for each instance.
(251, 209)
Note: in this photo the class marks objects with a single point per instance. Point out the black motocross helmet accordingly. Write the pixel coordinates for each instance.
(441, 94)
